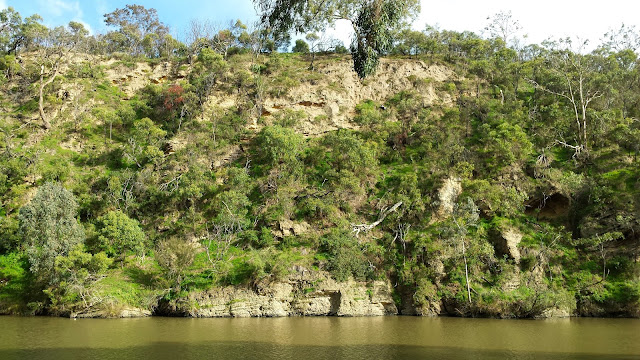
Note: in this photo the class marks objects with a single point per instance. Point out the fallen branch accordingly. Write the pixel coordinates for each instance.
(357, 228)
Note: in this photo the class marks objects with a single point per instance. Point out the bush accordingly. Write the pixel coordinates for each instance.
(175, 256)
(301, 46)
(48, 227)
(77, 271)
(119, 235)
(346, 257)
(280, 145)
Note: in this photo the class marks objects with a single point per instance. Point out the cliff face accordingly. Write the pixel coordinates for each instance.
(254, 171)
(303, 294)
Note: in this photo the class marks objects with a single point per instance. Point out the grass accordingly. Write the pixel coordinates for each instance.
(126, 292)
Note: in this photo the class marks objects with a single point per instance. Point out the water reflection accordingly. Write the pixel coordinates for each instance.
(318, 338)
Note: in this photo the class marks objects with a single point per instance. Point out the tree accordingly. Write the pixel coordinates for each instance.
(145, 143)
(340, 49)
(56, 44)
(503, 26)
(142, 30)
(77, 272)
(175, 256)
(313, 40)
(279, 145)
(119, 235)
(16, 33)
(373, 29)
(198, 35)
(301, 46)
(49, 228)
(223, 41)
(464, 216)
(575, 78)
(10, 23)
(209, 68)
(77, 34)
(410, 42)
(372, 21)
(624, 38)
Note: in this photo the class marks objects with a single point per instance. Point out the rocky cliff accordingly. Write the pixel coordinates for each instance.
(305, 293)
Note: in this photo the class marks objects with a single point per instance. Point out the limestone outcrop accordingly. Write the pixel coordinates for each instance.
(306, 293)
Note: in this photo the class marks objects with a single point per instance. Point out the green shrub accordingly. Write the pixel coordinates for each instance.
(49, 229)
(119, 235)
(346, 256)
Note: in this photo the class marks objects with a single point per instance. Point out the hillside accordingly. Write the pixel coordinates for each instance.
(255, 186)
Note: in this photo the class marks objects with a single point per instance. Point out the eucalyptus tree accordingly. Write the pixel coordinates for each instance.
(502, 25)
(17, 33)
(49, 228)
(624, 38)
(10, 22)
(373, 22)
(138, 29)
(55, 46)
(575, 78)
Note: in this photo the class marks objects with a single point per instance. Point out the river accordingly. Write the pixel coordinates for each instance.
(327, 338)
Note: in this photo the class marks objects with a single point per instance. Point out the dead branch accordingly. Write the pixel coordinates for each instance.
(357, 228)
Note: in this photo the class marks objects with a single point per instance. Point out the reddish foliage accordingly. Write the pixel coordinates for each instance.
(173, 97)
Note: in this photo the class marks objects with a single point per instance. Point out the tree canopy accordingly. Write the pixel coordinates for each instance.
(49, 227)
(373, 22)
(139, 27)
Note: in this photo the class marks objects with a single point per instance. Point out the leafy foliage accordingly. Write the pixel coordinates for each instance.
(49, 228)
(119, 235)
(494, 188)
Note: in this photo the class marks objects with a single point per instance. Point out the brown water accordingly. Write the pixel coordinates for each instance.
(318, 338)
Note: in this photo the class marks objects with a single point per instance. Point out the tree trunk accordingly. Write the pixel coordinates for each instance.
(466, 271)
(43, 84)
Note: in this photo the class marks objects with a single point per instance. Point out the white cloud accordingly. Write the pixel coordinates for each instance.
(3, 4)
(60, 8)
(544, 19)
(341, 31)
(60, 12)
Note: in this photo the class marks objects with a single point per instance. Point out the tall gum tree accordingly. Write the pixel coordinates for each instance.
(143, 32)
(373, 22)
(574, 77)
(56, 45)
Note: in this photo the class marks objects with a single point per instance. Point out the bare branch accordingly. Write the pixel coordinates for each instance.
(357, 228)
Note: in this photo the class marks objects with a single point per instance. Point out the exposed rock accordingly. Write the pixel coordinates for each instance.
(131, 80)
(230, 154)
(303, 294)
(555, 313)
(134, 312)
(127, 312)
(430, 308)
(332, 110)
(506, 243)
(511, 282)
(447, 195)
(323, 99)
(291, 228)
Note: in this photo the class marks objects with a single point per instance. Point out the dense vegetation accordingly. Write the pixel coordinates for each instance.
(110, 200)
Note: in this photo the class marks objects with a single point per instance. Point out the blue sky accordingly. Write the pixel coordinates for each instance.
(540, 19)
(176, 14)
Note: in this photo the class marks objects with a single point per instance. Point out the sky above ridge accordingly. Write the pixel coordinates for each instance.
(540, 19)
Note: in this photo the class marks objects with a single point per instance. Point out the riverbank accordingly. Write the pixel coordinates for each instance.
(316, 293)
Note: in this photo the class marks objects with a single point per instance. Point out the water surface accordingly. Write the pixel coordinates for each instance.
(323, 338)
